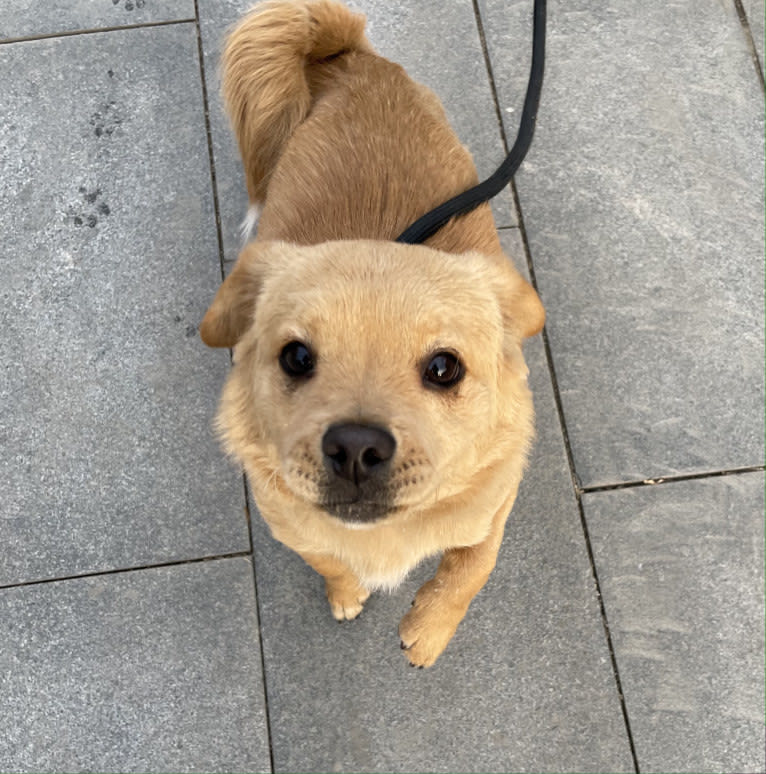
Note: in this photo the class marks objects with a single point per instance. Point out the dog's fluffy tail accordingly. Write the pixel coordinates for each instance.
(265, 88)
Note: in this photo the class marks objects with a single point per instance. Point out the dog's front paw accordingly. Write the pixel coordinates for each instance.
(429, 626)
(346, 600)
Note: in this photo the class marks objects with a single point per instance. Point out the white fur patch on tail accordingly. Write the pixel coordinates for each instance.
(250, 222)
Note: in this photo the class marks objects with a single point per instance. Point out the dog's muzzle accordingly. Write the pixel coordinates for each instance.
(357, 461)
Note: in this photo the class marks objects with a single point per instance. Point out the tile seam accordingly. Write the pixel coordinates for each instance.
(266, 704)
(578, 496)
(122, 570)
(743, 20)
(490, 76)
(671, 479)
(221, 261)
(209, 136)
(557, 397)
(93, 31)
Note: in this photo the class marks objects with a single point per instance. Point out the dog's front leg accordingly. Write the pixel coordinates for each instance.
(344, 592)
(441, 603)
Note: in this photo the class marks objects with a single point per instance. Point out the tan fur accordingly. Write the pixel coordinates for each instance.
(339, 144)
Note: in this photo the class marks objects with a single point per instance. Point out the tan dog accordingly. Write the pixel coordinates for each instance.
(378, 400)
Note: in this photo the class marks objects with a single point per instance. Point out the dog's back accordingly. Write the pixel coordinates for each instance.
(347, 145)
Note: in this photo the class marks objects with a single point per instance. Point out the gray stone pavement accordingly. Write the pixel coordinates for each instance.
(148, 622)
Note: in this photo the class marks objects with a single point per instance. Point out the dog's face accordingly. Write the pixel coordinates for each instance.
(371, 376)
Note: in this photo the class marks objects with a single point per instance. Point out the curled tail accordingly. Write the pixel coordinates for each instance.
(265, 88)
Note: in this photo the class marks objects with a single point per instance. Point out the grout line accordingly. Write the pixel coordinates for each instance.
(671, 479)
(577, 491)
(750, 40)
(557, 398)
(608, 634)
(137, 568)
(493, 92)
(93, 31)
(206, 107)
(221, 262)
(491, 76)
(260, 629)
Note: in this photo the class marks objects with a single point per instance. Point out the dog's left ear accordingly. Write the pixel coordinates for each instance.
(522, 310)
(231, 312)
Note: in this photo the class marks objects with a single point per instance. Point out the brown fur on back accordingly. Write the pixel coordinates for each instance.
(292, 100)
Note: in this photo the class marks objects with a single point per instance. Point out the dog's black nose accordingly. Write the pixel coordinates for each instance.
(357, 452)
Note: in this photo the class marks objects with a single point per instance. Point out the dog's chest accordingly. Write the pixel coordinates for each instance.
(380, 555)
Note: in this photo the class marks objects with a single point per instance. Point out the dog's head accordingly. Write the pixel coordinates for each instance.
(372, 376)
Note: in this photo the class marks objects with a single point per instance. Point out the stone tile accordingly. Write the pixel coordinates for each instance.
(437, 43)
(109, 261)
(29, 18)
(643, 203)
(154, 670)
(525, 685)
(681, 573)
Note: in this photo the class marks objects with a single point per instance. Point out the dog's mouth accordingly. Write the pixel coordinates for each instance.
(360, 509)
(351, 501)
(357, 476)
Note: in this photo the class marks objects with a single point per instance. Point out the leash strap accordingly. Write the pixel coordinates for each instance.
(432, 221)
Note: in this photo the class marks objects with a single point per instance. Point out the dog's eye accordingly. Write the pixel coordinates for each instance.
(443, 370)
(296, 359)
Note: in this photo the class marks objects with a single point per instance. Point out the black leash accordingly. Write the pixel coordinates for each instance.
(432, 221)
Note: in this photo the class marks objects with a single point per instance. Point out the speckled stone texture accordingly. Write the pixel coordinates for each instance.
(643, 204)
(439, 46)
(681, 572)
(109, 260)
(31, 18)
(150, 670)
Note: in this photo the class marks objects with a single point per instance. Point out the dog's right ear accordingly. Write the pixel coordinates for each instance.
(231, 312)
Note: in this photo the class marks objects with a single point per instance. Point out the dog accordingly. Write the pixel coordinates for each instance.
(378, 400)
